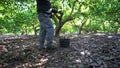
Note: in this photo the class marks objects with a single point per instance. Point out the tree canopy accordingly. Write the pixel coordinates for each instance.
(78, 16)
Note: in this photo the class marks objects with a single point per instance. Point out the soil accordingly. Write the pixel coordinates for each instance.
(98, 50)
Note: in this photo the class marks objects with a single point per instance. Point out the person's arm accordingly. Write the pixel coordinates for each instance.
(49, 5)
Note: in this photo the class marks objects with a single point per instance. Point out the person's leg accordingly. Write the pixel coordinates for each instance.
(42, 36)
(50, 33)
(42, 33)
(48, 26)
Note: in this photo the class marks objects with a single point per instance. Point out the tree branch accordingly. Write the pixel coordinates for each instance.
(70, 16)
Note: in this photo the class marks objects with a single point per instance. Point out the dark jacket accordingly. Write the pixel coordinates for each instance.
(43, 5)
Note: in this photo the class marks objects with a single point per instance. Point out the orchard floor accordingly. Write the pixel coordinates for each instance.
(98, 50)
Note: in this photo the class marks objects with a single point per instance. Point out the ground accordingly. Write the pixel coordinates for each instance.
(98, 50)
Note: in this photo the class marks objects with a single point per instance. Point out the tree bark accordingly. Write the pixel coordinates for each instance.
(61, 22)
(60, 25)
(57, 31)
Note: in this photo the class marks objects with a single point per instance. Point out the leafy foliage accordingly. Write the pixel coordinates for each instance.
(20, 16)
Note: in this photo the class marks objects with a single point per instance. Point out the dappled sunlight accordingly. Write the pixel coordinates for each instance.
(100, 34)
(38, 63)
(74, 36)
(87, 36)
(85, 52)
(78, 60)
(43, 59)
(110, 36)
(25, 65)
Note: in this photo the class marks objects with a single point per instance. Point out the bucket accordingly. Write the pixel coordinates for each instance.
(64, 42)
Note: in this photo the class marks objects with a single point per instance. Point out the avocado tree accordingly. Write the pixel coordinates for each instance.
(20, 16)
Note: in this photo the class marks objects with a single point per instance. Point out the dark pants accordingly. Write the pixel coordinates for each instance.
(46, 29)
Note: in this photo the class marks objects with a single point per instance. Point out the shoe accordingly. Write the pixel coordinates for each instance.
(52, 47)
(43, 48)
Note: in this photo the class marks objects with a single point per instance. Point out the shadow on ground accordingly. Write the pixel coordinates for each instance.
(99, 50)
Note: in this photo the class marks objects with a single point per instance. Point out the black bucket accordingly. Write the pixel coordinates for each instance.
(64, 42)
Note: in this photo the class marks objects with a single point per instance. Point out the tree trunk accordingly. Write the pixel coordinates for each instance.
(80, 30)
(81, 27)
(35, 28)
(61, 22)
(116, 30)
(57, 30)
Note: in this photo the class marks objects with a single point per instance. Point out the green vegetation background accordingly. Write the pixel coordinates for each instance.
(79, 16)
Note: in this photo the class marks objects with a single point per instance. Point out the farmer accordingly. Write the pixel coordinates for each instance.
(44, 11)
